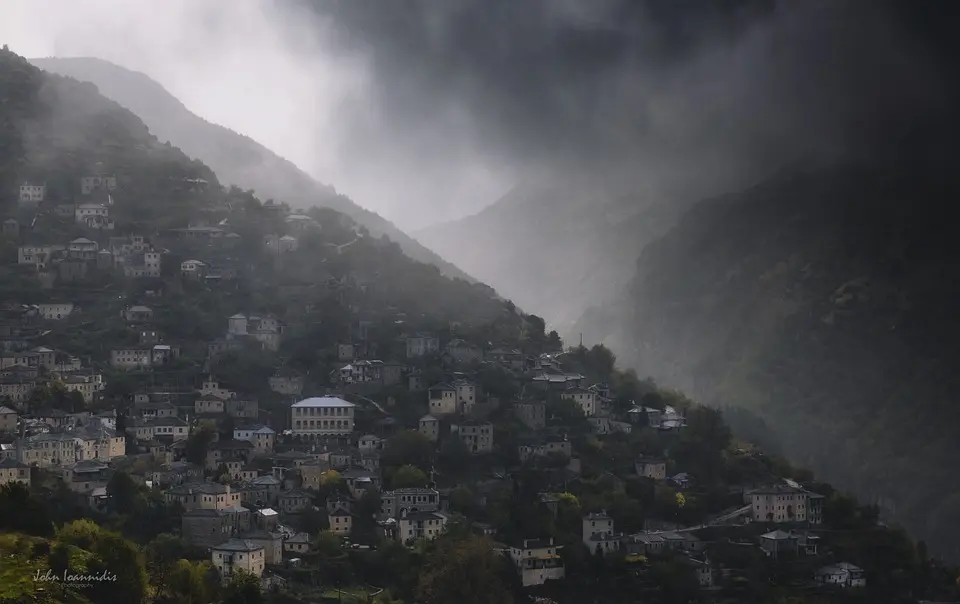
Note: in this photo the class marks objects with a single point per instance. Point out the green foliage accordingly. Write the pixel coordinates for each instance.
(467, 571)
(198, 443)
(191, 583)
(243, 588)
(20, 512)
(161, 556)
(54, 395)
(111, 555)
(123, 492)
(408, 448)
(408, 476)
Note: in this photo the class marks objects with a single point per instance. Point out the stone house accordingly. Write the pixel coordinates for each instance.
(430, 427)
(238, 554)
(476, 435)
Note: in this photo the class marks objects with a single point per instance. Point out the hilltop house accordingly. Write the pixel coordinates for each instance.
(598, 534)
(412, 526)
(192, 268)
(138, 314)
(533, 414)
(586, 399)
(430, 427)
(651, 467)
(262, 437)
(537, 561)
(55, 311)
(476, 435)
(318, 416)
(264, 329)
(94, 182)
(421, 345)
(841, 574)
(238, 554)
(12, 471)
(286, 381)
(32, 193)
(442, 399)
(779, 503)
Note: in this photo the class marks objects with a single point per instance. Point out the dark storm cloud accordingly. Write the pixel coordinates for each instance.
(734, 84)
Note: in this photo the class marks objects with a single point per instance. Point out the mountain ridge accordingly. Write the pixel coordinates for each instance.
(236, 158)
(584, 246)
(820, 301)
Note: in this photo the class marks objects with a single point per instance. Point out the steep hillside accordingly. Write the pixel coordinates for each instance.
(559, 247)
(824, 301)
(55, 130)
(236, 158)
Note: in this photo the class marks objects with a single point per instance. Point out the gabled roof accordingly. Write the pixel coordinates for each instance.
(268, 480)
(209, 488)
(323, 401)
(421, 516)
(777, 535)
(238, 545)
(294, 493)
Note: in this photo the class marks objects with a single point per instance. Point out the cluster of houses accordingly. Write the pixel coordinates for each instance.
(245, 499)
(79, 258)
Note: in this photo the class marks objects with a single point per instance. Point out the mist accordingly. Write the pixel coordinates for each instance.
(266, 73)
(426, 111)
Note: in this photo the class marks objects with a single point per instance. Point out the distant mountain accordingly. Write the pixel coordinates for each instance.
(824, 301)
(237, 159)
(560, 245)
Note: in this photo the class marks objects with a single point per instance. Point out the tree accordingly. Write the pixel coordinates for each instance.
(113, 556)
(466, 572)
(22, 562)
(198, 443)
(364, 526)
(408, 448)
(408, 476)
(123, 492)
(461, 500)
(454, 456)
(243, 588)
(312, 520)
(190, 583)
(20, 512)
(161, 555)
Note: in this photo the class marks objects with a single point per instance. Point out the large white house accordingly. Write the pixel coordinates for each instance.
(321, 415)
(785, 503)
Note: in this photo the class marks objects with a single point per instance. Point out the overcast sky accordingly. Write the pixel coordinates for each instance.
(426, 110)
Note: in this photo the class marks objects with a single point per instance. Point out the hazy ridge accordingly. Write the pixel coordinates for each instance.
(237, 159)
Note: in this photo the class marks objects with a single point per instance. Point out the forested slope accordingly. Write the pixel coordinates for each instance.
(825, 301)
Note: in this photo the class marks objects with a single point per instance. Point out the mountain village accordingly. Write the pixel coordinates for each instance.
(243, 501)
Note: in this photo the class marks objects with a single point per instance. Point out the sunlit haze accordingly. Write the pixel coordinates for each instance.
(261, 74)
